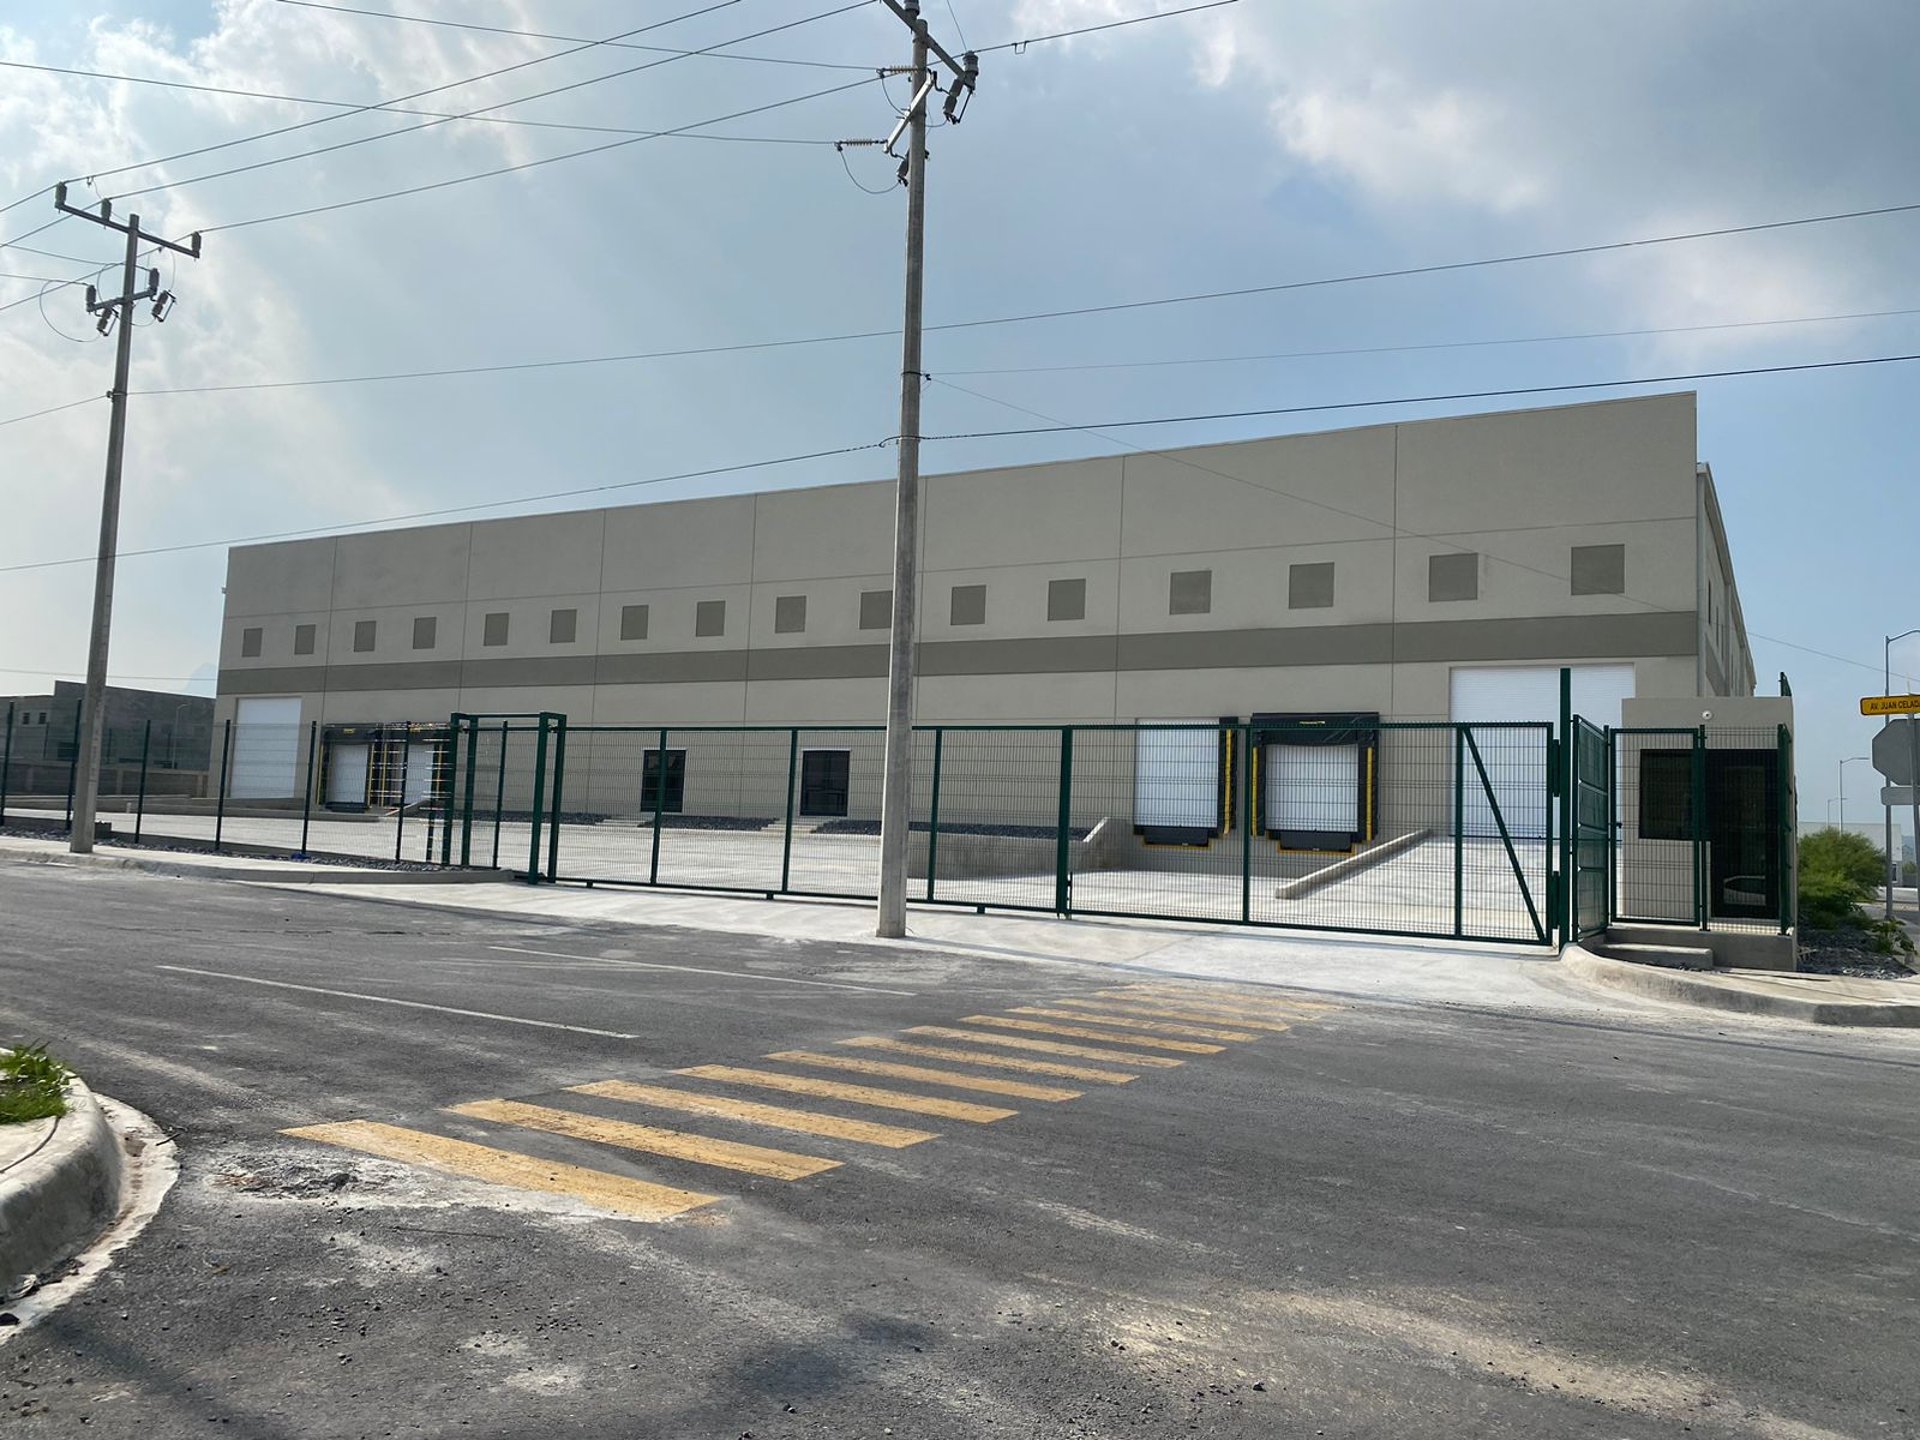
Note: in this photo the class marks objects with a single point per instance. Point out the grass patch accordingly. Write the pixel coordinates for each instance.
(33, 1085)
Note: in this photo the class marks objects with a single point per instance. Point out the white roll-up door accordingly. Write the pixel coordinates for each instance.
(420, 759)
(1516, 761)
(266, 748)
(1313, 788)
(1176, 778)
(347, 774)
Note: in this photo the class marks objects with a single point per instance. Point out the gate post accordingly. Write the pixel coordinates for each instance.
(559, 775)
(400, 814)
(500, 786)
(1697, 775)
(6, 764)
(1459, 828)
(1062, 860)
(1608, 888)
(140, 806)
(1565, 915)
(466, 794)
(539, 801)
(73, 765)
(1783, 820)
(659, 804)
(306, 797)
(220, 803)
(933, 813)
(1246, 823)
(786, 838)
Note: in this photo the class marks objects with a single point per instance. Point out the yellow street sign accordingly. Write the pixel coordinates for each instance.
(1890, 705)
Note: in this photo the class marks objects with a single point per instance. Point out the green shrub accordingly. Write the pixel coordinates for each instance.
(1841, 852)
(1829, 901)
(33, 1085)
(1890, 937)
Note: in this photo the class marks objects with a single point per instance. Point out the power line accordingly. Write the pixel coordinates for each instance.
(486, 109)
(344, 527)
(475, 116)
(1393, 531)
(1019, 45)
(1435, 399)
(531, 164)
(568, 39)
(398, 99)
(1403, 349)
(68, 674)
(52, 410)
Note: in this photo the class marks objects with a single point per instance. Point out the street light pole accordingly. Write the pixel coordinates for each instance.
(1893, 861)
(1843, 785)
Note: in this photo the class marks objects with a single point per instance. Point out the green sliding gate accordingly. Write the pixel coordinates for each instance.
(1342, 823)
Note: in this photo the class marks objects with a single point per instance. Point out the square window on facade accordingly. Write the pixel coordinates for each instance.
(493, 629)
(876, 609)
(1453, 577)
(1310, 587)
(1599, 569)
(425, 628)
(633, 622)
(1066, 600)
(250, 642)
(710, 618)
(303, 639)
(789, 614)
(967, 605)
(364, 632)
(562, 626)
(1190, 592)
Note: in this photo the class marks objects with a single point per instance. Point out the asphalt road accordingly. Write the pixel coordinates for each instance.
(1379, 1220)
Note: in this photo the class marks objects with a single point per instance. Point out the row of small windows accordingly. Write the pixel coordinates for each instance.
(1596, 570)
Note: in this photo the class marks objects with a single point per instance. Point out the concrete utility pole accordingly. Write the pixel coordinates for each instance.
(86, 787)
(896, 793)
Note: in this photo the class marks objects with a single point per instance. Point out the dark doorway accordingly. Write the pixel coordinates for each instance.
(823, 782)
(1743, 834)
(651, 798)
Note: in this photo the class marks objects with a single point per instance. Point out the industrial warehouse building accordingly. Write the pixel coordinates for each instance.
(1434, 570)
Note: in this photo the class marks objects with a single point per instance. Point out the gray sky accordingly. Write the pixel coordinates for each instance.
(1250, 145)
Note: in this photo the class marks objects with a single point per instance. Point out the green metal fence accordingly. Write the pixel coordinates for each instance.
(1590, 813)
(1378, 828)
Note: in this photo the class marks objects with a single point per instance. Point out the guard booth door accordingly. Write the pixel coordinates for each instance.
(1743, 846)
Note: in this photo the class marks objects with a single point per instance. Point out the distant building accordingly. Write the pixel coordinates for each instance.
(45, 727)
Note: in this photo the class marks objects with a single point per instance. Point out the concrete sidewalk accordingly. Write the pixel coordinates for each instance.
(1814, 999)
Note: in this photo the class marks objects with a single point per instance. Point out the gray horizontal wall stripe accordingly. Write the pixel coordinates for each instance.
(818, 662)
(1561, 637)
(1066, 654)
(673, 667)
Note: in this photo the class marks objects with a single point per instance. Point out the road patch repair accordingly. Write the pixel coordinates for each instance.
(1136, 1024)
(74, 1187)
(1811, 999)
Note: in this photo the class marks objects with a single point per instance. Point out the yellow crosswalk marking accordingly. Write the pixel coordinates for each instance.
(1081, 1032)
(858, 1094)
(775, 1117)
(639, 1199)
(998, 1062)
(1045, 1047)
(1215, 997)
(989, 1084)
(1166, 1010)
(651, 1139)
(1198, 1032)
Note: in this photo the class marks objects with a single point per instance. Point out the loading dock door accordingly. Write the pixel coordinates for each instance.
(1516, 761)
(266, 749)
(420, 764)
(1178, 796)
(1314, 789)
(347, 774)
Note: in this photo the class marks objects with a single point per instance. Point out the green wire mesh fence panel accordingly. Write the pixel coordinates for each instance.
(493, 793)
(1406, 829)
(832, 840)
(719, 798)
(1656, 874)
(1154, 821)
(996, 841)
(1592, 820)
(1746, 865)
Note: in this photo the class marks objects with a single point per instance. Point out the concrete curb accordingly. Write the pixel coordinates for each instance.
(294, 873)
(1352, 865)
(1699, 989)
(56, 1199)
